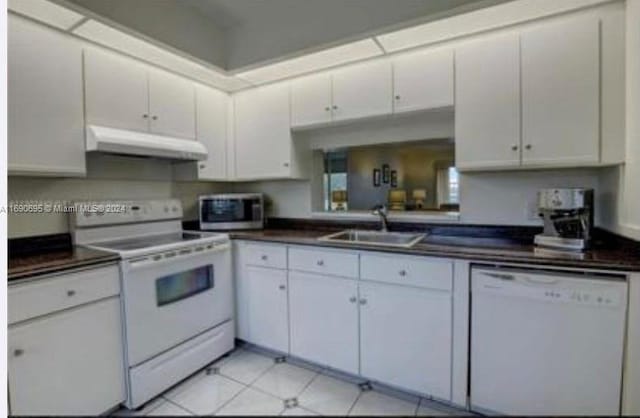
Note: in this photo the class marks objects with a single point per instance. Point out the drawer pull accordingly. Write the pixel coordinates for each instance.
(402, 273)
(282, 287)
(320, 263)
(353, 299)
(264, 257)
(71, 293)
(18, 352)
(363, 301)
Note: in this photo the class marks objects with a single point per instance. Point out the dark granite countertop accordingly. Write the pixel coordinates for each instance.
(607, 256)
(29, 257)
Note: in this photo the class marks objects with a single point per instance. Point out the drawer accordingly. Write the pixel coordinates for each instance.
(265, 255)
(322, 261)
(53, 293)
(407, 270)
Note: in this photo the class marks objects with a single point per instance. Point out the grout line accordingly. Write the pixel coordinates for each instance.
(215, 411)
(175, 404)
(354, 403)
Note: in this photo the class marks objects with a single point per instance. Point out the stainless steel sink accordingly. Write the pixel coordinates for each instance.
(386, 239)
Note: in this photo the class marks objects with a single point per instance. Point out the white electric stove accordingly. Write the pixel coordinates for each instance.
(177, 296)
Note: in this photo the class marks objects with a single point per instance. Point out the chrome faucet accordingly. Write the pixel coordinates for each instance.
(382, 212)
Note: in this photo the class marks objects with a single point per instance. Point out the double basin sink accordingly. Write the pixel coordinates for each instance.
(381, 238)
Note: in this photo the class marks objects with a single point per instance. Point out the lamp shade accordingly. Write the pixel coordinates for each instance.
(399, 196)
(419, 194)
(339, 196)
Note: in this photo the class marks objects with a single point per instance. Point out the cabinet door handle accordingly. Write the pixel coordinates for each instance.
(202, 166)
(402, 273)
(71, 292)
(353, 299)
(154, 117)
(397, 97)
(335, 107)
(264, 257)
(282, 287)
(320, 263)
(528, 146)
(514, 147)
(327, 108)
(363, 301)
(145, 116)
(285, 164)
(18, 352)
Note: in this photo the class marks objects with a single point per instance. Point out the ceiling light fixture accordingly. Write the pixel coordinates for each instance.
(46, 12)
(131, 45)
(315, 61)
(477, 21)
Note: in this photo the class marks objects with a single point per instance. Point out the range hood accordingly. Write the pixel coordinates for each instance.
(120, 141)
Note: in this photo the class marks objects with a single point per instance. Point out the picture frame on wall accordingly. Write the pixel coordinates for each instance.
(394, 178)
(376, 177)
(386, 173)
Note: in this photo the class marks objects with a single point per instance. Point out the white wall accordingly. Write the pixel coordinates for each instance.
(108, 177)
(631, 189)
(508, 198)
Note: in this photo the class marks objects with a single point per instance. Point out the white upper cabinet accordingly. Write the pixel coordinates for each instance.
(172, 105)
(116, 91)
(362, 90)
(487, 103)
(45, 105)
(311, 100)
(264, 147)
(560, 93)
(211, 129)
(423, 80)
(122, 93)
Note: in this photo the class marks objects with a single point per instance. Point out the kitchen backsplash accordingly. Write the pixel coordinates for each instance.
(487, 198)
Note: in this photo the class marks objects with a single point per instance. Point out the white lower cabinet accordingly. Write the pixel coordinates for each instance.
(263, 299)
(324, 320)
(67, 363)
(385, 317)
(405, 337)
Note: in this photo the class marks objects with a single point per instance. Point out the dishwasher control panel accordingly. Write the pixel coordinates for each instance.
(548, 288)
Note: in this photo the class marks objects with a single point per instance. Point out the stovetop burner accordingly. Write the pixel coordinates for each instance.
(150, 241)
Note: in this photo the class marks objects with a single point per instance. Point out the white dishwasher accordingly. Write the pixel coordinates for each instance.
(546, 343)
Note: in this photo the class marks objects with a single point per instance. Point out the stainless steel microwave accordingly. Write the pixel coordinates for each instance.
(232, 211)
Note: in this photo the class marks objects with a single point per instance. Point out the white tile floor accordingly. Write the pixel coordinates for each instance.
(253, 382)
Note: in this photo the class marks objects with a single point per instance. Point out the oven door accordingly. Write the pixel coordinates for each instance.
(224, 213)
(173, 296)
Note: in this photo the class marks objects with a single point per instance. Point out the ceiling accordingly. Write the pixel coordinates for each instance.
(240, 34)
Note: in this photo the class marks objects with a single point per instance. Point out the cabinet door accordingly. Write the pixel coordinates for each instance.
(487, 120)
(324, 320)
(263, 133)
(68, 363)
(560, 93)
(405, 337)
(361, 91)
(423, 80)
(211, 130)
(45, 105)
(266, 307)
(172, 105)
(311, 100)
(116, 91)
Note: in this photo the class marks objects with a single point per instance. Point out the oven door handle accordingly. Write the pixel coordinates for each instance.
(172, 256)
